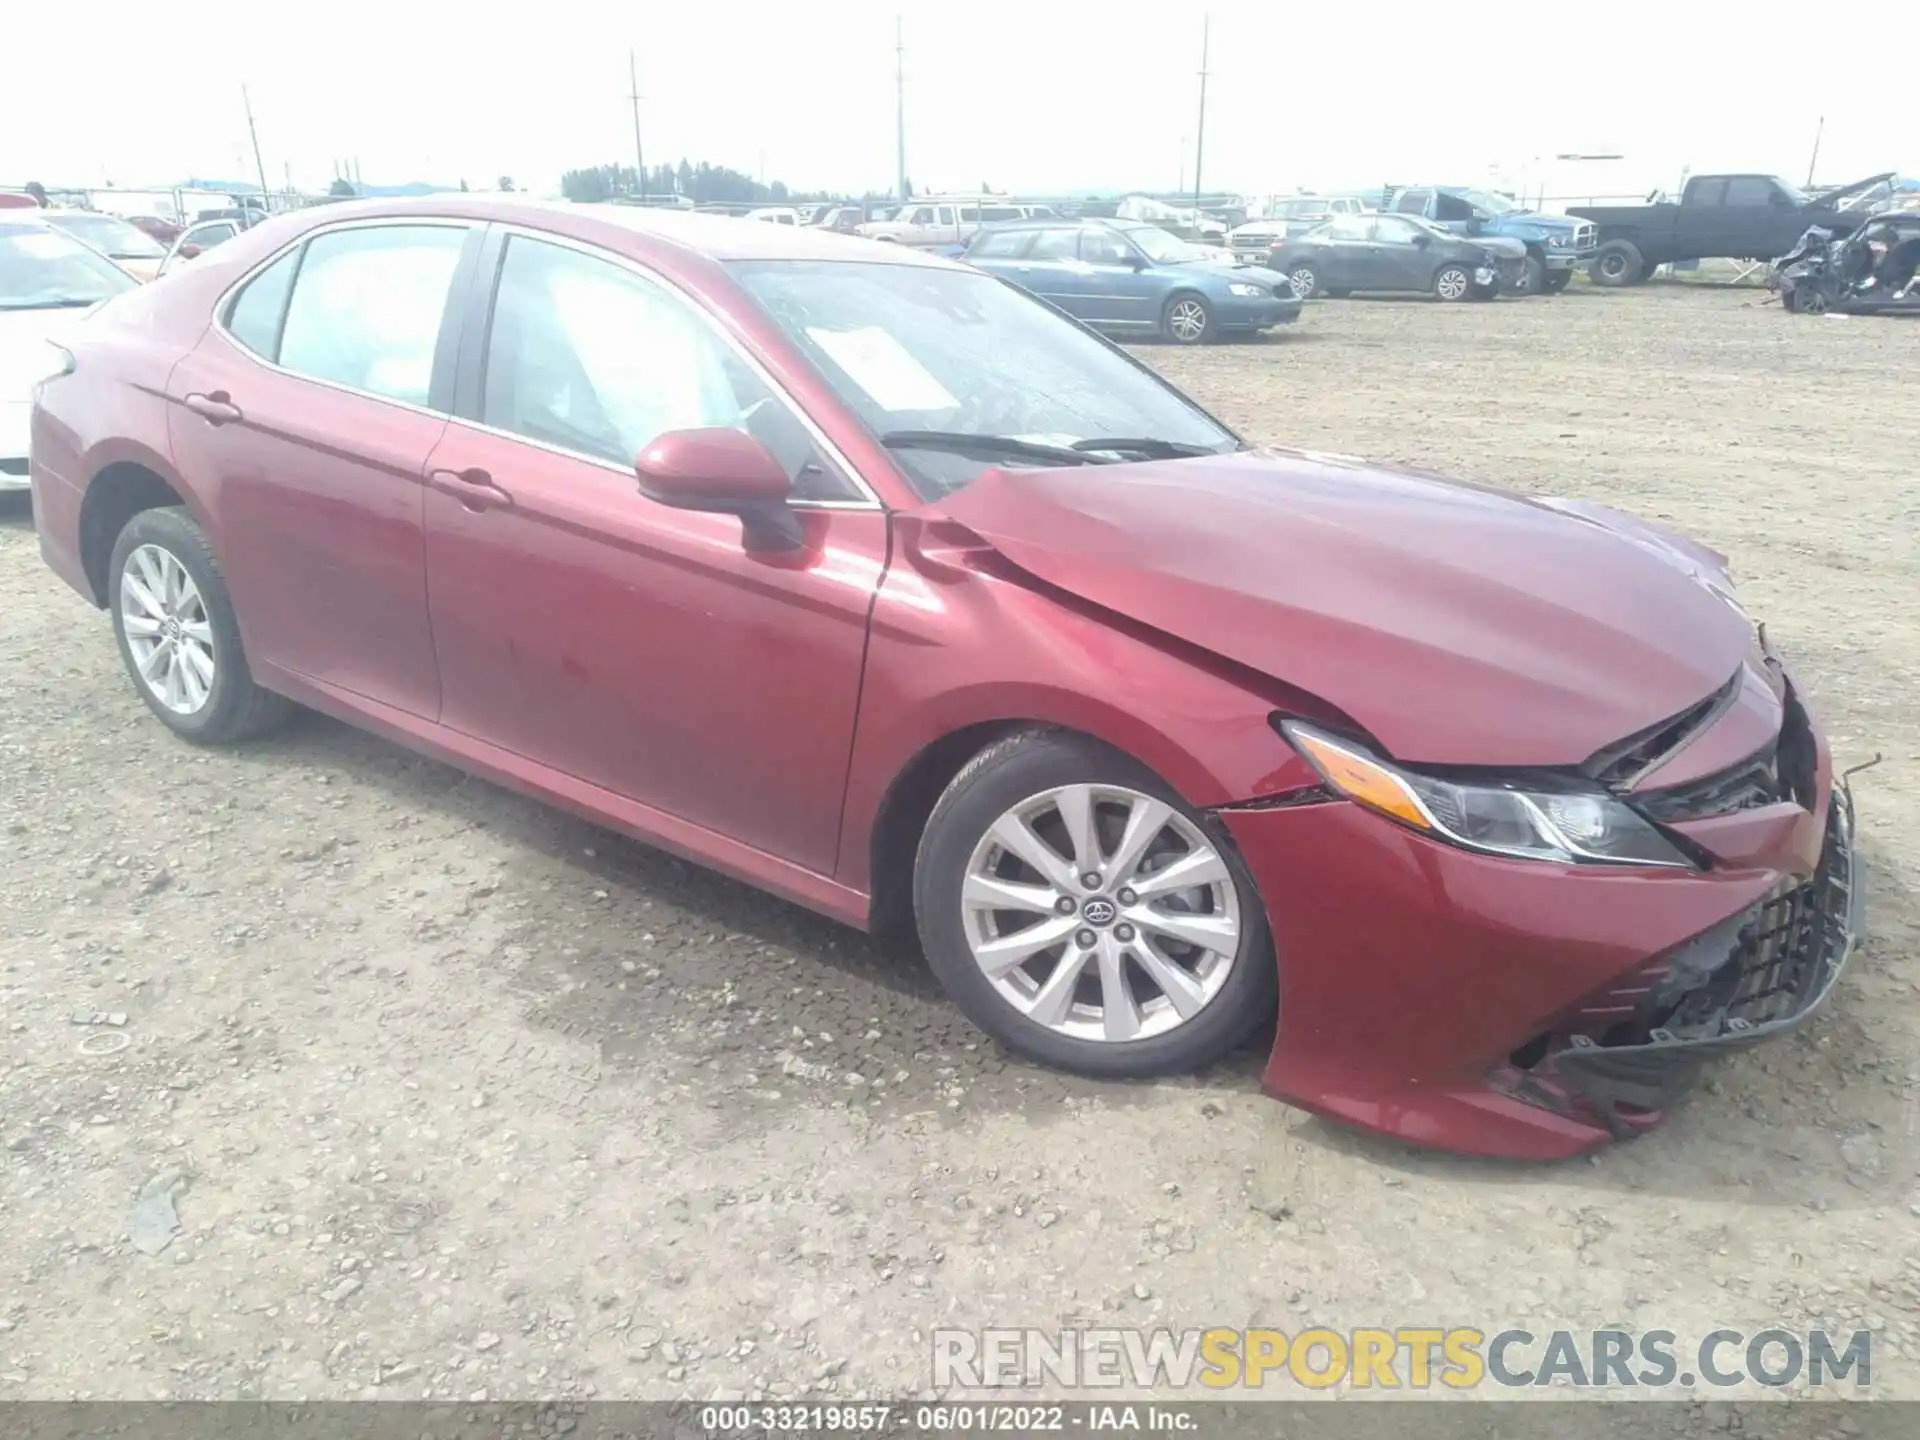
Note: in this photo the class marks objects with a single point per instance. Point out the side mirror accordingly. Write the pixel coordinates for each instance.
(1422, 239)
(189, 250)
(1136, 261)
(726, 471)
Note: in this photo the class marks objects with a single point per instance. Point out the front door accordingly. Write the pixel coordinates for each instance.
(1400, 256)
(306, 415)
(1120, 289)
(637, 647)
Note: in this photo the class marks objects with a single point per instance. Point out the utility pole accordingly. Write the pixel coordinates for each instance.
(633, 94)
(1200, 134)
(1818, 131)
(254, 135)
(900, 108)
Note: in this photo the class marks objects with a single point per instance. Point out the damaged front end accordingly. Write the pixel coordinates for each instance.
(1626, 1053)
(1874, 269)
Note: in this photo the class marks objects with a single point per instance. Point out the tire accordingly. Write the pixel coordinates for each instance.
(1533, 276)
(1556, 282)
(1187, 319)
(1224, 993)
(1309, 288)
(1616, 263)
(195, 632)
(1452, 281)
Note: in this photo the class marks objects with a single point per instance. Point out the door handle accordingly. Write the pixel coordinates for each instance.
(472, 487)
(215, 407)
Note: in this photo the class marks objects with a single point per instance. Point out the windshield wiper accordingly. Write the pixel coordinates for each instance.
(959, 442)
(1140, 445)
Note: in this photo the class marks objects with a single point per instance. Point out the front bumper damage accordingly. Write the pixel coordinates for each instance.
(1746, 980)
(1535, 1011)
(1873, 269)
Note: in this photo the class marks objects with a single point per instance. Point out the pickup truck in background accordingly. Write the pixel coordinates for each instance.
(1556, 246)
(1731, 217)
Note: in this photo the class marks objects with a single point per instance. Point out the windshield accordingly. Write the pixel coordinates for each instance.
(1792, 191)
(41, 269)
(1162, 247)
(110, 235)
(919, 348)
(1487, 201)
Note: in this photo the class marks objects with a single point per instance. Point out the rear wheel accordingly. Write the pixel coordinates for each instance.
(178, 634)
(1187, 320)
(1452, 282)
(1618, 262)
(1082, 914)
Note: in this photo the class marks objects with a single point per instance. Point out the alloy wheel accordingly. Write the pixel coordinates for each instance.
(1101, 913)
(1305, 282)
(1187, 319)
(168, 630)
(1451, 283)
(1613, 265)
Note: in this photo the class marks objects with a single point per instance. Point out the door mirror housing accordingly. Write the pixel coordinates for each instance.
(189, 250)
(1422, 239)
(725, 471)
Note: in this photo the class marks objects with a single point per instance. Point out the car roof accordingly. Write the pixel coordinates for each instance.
(717, 237)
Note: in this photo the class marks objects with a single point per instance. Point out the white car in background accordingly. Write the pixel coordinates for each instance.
(128, 246)
(776, 215)
(48, 281)
(191, 241)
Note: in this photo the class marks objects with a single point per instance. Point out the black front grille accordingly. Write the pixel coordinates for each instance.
(1783, 771)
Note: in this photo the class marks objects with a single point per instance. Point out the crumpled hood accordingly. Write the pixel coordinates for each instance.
(1501, 245)
(1459, 625)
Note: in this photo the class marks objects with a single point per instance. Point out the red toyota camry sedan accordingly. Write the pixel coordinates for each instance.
(879, 583)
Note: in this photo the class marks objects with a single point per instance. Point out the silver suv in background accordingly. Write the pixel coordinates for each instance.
(949, 220)
(1288, 216)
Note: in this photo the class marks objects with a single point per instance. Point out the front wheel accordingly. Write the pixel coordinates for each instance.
(1187, 320)
(1532, 279)
(1079, 912)
(178, 634)
(1557, 281)
(1305, 279)
(1617, 263)
(1452, 282)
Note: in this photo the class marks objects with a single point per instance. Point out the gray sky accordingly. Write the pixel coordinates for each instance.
(1023, 96)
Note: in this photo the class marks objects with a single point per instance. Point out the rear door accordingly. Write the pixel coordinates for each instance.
(1122, 290)
(636, 647)
(305, 415)
(1051, 268)
(1344, 253)
(1000, 252)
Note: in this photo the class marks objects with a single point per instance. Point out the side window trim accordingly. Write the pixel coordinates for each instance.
(476, 306)
(439, 396)
(231, 301)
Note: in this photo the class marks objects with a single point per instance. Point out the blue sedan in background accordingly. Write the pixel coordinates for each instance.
(1119, 275)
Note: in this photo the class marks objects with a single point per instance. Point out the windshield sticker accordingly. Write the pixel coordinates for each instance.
(881, 366)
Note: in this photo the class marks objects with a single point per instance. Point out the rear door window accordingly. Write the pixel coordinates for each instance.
(1002, 244)
(1707, 192)
(256, 314)
(1414, 202)
(1051, 244)
(1749, 190)
(367, 308)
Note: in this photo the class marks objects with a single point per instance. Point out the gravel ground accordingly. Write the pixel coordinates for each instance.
(452, 1095)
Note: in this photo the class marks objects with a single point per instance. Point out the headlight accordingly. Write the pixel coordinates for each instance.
(1558, 242)
(1247, 290)
(1571, 826)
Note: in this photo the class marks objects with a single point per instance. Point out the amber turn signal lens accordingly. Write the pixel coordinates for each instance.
(1360, 778)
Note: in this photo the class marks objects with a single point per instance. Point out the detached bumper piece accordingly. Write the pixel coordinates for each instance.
(1627, 1053)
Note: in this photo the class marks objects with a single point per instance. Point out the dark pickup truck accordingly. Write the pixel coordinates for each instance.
(1736, 217)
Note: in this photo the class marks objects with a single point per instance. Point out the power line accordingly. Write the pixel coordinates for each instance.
(254, 135)
(633, 94)
(900, 107)
(1200, 134)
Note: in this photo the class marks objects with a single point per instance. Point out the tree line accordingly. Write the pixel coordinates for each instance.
(704, 184)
